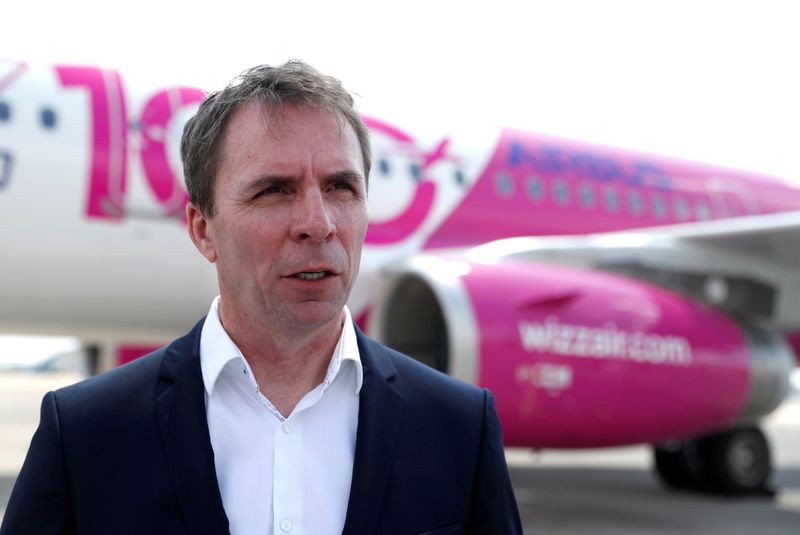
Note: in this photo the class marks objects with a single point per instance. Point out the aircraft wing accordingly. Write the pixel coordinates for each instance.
(749, 266)
(774, 236)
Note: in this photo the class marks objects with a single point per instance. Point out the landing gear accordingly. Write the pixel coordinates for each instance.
(92, 355)
(678, 465)
(735, 461)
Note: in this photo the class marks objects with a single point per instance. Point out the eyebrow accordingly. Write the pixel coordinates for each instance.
(262, 182)
(266, 181)
(345, 176)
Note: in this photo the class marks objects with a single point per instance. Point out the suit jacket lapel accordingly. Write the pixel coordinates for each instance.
(181, 410)
(379, 413)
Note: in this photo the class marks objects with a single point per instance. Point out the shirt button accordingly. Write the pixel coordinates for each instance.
(286, 525)
(287, 429)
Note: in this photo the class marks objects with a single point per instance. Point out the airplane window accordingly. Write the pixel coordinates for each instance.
(503, 185)
(48, 118)
(383, 166)
(5, 111)
(681, 209)
(658, 206)
(586, 195)
(702, 211)
(611, 199)
(560, 191)
(414, 170)
(459, 177)
(534, 188)
(635, 203)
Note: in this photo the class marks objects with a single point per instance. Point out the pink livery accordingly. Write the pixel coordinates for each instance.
(605, 296)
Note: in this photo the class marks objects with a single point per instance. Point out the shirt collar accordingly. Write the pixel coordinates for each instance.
(217, 350)
(346, 350)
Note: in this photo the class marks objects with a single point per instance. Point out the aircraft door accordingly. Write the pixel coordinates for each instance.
(731, 198)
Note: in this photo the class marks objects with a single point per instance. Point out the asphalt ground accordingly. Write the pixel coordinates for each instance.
(582, 492)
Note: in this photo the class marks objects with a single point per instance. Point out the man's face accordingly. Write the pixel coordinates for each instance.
(291, 215)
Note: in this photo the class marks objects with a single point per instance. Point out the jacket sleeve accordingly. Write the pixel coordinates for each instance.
(493, 507)
(40, 501)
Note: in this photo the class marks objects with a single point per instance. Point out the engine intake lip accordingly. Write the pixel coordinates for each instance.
(426, 313)
(771, 364)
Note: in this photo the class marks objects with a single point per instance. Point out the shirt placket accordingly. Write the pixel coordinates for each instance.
(287, 498)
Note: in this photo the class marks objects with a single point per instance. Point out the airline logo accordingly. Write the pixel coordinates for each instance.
(133, 168)
(607, 342)
(584, 164)
(545, 375)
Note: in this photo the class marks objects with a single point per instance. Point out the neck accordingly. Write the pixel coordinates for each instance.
(287, 365)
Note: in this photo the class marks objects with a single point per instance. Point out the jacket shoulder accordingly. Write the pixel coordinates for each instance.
(129, 384)
(417, 381)
(136, 384)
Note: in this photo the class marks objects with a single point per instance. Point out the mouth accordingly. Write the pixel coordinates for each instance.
(312, 275)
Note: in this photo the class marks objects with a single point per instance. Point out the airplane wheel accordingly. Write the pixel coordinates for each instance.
(677, 464)
(736, 461)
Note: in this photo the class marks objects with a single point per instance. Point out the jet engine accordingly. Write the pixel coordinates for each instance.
(579, 358)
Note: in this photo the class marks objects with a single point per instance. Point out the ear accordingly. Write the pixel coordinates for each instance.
(200, 232)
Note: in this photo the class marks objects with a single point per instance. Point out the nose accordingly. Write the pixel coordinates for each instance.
(312, 218)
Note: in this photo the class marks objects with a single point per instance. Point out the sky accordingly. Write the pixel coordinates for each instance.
(715, 81)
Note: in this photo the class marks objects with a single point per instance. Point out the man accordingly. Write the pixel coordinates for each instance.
(274, 414)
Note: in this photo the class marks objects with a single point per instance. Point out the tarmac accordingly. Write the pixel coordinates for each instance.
(581, 492)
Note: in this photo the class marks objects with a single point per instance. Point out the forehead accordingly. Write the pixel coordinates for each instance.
(263, 128)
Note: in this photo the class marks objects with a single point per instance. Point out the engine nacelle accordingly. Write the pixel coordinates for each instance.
(579, 358)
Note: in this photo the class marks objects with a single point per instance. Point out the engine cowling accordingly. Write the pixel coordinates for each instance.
(580, 358)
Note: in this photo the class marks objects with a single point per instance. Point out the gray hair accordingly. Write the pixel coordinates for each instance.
(294, 82)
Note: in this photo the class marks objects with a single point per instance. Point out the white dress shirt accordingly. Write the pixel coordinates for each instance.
(281, 475)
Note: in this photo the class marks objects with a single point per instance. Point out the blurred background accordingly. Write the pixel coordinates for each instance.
(712, 81)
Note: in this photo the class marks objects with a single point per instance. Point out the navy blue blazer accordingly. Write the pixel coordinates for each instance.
(129, 452)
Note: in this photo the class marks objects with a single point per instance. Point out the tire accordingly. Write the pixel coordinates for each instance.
(737, 461)
(677, 465)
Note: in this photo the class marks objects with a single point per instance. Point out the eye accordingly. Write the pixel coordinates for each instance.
(269, 191)
(343, 185)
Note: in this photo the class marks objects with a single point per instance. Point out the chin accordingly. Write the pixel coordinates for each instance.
(313, 315)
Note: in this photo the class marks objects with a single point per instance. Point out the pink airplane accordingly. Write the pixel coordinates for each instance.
(607, 297)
